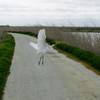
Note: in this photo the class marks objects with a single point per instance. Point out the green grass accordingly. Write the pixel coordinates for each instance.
(87, 58)
(81, 54)
(50, 41)
(6, 54)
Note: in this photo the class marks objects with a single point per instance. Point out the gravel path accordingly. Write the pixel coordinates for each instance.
(60, 78)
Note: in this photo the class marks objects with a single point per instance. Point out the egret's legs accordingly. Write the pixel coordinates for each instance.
(41, 60)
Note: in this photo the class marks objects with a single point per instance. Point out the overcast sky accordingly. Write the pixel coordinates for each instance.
(50, 12)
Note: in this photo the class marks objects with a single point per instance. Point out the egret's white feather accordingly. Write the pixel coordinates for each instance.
(34, 45)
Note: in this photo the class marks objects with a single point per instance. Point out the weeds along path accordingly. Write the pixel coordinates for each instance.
(6, 55)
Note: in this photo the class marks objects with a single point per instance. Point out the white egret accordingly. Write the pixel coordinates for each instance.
(42, 47)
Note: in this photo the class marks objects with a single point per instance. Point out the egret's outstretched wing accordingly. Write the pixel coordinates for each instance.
(50, 49)
(34, 45)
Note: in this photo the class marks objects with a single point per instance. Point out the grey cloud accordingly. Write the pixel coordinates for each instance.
(49, 11)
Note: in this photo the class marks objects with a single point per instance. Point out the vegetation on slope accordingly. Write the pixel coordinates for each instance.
(6, 54)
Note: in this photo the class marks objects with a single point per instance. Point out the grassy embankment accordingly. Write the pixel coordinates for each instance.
(89, 59)
(6, 54)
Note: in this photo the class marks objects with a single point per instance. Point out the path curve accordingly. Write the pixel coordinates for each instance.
(60, 78)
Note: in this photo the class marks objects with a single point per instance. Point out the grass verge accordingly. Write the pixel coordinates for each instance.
(89, 59)
(6, 54)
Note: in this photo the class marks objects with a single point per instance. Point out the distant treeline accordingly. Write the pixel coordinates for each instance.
(67, 28)
(83, 29)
